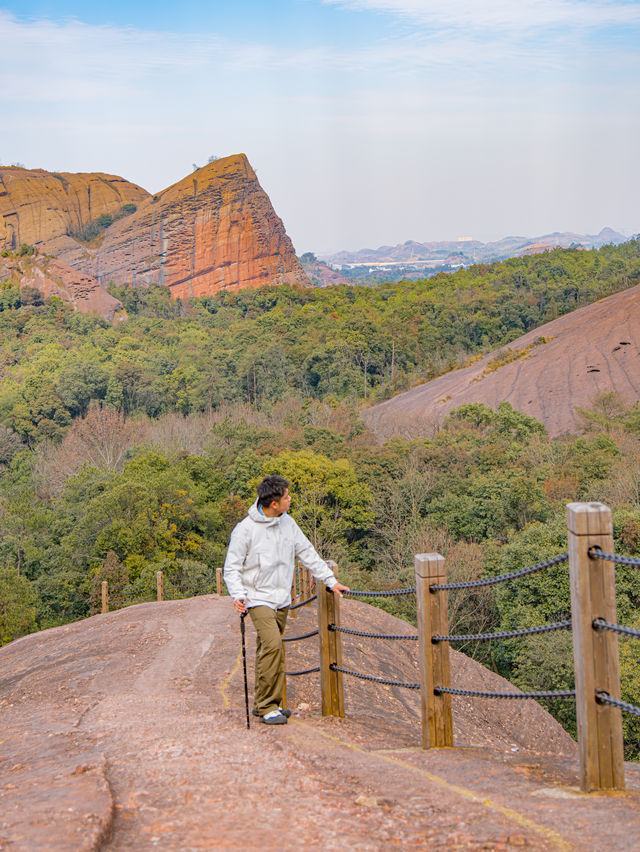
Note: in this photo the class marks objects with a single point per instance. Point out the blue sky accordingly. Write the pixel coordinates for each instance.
(368, 122)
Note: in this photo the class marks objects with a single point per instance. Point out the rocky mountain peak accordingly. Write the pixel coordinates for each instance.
(215, 229)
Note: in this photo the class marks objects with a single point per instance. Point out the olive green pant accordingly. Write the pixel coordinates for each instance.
(269, 625)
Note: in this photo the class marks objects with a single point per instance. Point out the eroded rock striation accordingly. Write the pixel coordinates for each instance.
(37, 207)
(215, 229)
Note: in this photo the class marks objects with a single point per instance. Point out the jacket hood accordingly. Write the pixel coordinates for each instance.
(256, 515)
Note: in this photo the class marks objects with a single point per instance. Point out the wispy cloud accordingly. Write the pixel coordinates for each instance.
(505, 15)
(70, 61)
(467, 98)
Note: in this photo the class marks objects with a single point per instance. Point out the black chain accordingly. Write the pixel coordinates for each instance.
(604, 698)
(303, 672)
(302, 636)
(505, 634)
(337, 629)
(336, 668)
(474, 584)
(440, 690)
(594, 553)
(390, 594)
(303, 603)
(601, 624)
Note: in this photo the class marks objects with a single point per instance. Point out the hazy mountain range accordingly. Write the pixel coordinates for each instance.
(466, 251)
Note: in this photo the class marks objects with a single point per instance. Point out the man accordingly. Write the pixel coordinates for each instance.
(258, 572)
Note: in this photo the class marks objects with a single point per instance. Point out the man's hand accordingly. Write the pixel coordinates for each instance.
(338, 588)
(240, 607)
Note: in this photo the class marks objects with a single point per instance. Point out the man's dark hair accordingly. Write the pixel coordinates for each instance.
(271, 488)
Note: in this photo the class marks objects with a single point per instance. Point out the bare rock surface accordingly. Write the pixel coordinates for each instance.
(37, 206)
(215, 229)
(546, 373)
(127, 732)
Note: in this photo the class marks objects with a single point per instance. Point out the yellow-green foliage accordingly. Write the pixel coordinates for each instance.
(508, 355)
(146, 440)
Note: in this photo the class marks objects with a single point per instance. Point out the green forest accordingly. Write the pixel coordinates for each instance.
(131, 448)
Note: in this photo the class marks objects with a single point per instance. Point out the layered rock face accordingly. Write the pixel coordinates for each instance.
(213, 230)
(52, 277)
(37, 207)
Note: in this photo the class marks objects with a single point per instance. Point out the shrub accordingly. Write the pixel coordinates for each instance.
(17, 605)
(104, 221)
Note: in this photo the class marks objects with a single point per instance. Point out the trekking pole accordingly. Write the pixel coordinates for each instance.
(244, 665)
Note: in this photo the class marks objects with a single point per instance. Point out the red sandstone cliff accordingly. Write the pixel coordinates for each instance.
(215, 229)
(52, 277)
(38, 206)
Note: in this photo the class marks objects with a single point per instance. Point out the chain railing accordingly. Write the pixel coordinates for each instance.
(596, 663)
(504, 634)
(592, 582)
(603, 698)
(301, 636)
(333, 627)
(480, 693)
(601, 624)
(391, 593)
(303, 603)
(591, 569)
(335, 666)
(301, 596)
(616, 558)
(368, 635)
(492, 581)
(387, 681)
(303, 672)
(117, 598)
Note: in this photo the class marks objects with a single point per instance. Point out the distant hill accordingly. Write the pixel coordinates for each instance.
(319, 273)
(545, 373)
(464, 252)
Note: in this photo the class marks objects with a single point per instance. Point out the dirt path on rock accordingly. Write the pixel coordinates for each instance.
(135, 720)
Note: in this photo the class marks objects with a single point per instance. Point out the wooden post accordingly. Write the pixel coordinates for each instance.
(294, 591)
(219, 581)
(433, 618)
(105, 596)
(595, 652)
(306, 582)
(331, 682)
(160, 585)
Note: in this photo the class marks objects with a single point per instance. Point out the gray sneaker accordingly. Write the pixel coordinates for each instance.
(282, 710)
(274, 717)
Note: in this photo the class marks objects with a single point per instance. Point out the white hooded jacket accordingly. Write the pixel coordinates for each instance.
(261, 560)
